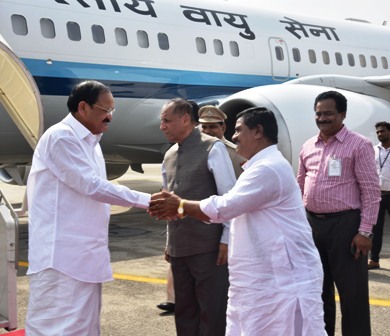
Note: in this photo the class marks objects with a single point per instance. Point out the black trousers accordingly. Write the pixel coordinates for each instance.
(333, 236)
(201, 294)
(378, 228)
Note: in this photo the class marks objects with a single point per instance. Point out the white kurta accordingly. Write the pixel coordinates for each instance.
(69, 201)
(275, 270)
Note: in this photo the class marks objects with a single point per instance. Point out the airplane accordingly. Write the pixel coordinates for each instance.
(149, 51)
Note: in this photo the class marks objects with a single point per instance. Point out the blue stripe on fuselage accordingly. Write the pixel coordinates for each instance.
(137, 82)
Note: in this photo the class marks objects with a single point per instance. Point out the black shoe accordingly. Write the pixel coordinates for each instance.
(167, 306)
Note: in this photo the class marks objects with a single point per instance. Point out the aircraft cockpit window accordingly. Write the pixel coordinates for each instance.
(325, 57)
(351, 60)
(339, 58)
(312, 56)
(47, 28)
(19, 24)
(385, 64)
(163, 41)
(234, 49)
(121, 36)
(143, 39)
(98, 34)
(362, 60)
(279, 53)
(218, 47)
(73, 30)
(296, 54)
(200, 45)
(374, 62)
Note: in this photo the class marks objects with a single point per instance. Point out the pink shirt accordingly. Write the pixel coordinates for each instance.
(356, 187)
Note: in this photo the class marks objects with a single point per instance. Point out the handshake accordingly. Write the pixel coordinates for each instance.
(164, 205)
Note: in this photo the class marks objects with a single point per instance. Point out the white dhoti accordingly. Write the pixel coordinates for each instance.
(60, 305)
(278, 314)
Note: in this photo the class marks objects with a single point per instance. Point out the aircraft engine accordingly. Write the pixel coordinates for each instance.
(116, 170)
(293, 105)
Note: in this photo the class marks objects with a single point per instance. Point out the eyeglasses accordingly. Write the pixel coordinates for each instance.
(325, 114)
(108, 111)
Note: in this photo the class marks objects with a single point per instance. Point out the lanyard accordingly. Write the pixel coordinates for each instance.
(381, 164)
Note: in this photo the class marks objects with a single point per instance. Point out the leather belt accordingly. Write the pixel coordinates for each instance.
(330, 214)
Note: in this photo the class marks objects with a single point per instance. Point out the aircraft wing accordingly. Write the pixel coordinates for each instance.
(375, 86)
(382, 81)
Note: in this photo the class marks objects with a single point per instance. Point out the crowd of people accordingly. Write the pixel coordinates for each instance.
(252, 248)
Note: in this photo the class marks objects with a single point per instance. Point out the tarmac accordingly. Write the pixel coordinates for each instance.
(137, 244)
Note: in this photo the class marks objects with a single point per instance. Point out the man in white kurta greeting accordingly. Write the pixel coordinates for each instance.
(275, 270)
(69, 201)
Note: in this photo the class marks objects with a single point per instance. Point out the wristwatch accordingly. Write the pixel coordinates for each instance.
(368, 235)
(180, 209)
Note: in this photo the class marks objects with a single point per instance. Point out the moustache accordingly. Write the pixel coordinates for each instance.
(106, 120)
(323, 122)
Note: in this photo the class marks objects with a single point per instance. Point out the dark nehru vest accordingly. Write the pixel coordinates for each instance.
(188, 176)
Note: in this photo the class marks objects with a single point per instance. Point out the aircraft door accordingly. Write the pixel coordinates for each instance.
(280, 64)
(19, 95)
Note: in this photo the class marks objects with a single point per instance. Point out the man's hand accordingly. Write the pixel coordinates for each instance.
(163, 205)
(363, 245)
(223, 254)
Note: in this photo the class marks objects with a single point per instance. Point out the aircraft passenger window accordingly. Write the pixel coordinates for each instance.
(200, 45)
(296, 55)
(218, 47)
(385, 64)
(234, 49)
(374, 63)
(19, 24)
(362, 60)
(121, 36)
(351, 60)
(98, 34)
(339, 58)
(279, 53)
(143, 39)
(163, 41)
(325, 57)
(74, 32)
(312, 56)
(47, 28)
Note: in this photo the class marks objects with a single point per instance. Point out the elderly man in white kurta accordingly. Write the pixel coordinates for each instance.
(69, 201)
(275, 270)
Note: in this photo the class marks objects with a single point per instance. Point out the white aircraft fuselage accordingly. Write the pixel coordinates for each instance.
(149, 51)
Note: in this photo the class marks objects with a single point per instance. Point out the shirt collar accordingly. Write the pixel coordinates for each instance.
(379, 145)
(340, 135)
(81, 131)
(259, 155)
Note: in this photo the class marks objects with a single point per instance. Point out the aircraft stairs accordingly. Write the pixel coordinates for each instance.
(20, 98)
(9, 226)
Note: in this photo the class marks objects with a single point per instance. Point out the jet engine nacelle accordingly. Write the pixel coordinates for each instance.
(293, 105)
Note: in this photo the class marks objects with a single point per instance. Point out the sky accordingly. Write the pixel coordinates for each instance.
(374, 11)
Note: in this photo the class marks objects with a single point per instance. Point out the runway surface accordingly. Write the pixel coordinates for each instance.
(137, 244)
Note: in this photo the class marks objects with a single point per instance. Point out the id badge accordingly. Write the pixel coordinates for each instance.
(334, 167)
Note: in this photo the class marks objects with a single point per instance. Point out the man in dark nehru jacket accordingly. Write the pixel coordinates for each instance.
(195, 167)
(212, 122)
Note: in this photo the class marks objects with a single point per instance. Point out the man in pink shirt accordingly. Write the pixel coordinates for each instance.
(340, 186)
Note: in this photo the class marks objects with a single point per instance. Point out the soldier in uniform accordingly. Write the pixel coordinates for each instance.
(212, 122)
